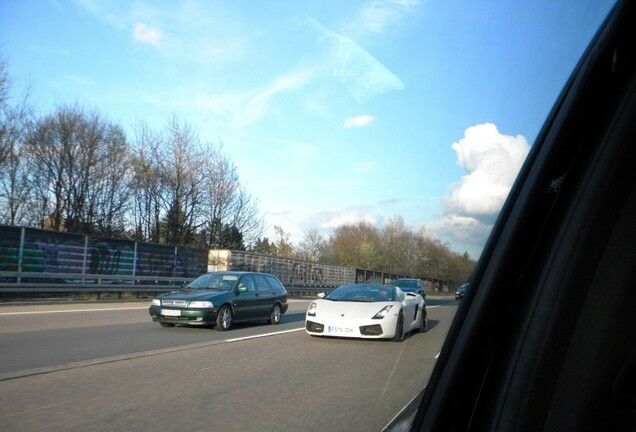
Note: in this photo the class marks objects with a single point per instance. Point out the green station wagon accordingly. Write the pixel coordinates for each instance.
(221, 298)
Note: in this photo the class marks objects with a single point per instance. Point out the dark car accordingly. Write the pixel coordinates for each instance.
(221, 298)
(411, 285)
(461, 291)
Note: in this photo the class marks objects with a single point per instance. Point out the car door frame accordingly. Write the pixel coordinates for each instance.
(245, 303)
(266, 295)
(503, 363)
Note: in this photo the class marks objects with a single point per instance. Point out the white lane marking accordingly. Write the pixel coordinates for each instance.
(71, 311)
(264, 335)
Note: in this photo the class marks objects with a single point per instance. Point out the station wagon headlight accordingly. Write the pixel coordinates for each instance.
(156, 302)
(383, 312)
(200, 304)
(312, 309)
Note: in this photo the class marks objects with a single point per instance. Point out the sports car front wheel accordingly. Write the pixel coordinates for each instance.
(423, 324)
(399, 329)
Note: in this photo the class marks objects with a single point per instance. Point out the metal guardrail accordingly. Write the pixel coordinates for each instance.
(38, 282)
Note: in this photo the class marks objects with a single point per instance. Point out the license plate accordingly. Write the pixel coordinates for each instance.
(170, 312)
(339, 330)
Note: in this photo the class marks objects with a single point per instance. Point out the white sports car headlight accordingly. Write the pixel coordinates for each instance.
(312, 309)
(383, 312)
(156, 302)
(200, 304)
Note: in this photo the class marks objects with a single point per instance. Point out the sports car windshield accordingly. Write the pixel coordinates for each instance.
(362, 293)
(214, 282)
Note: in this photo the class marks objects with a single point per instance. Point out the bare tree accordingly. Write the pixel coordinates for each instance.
(313, 247)
(15, 122)
(182, 172)
(5, 85)
(78, 163)
(222, 185)
(283, 246)
(111, 196)
(46, 147)
(188, 193)
(146, 186)
(167, 183)
(246, 217)
(227, 202)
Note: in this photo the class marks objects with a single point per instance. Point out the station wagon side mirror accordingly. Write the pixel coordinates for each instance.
(242, 289)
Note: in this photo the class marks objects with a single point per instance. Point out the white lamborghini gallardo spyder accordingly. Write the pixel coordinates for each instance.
(366, 311)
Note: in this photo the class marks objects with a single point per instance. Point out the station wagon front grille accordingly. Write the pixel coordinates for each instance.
(177, 303)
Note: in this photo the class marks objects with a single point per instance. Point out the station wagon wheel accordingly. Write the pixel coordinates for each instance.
(166, 324)
(274, 317)
(224, 318)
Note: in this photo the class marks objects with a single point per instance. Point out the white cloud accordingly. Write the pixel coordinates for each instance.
(244, 108)
(462, 229)
(147, 35)
(359, 121)
(376, 16)
(258, 103)
(363, 76)
(492, 161)
(351, 216)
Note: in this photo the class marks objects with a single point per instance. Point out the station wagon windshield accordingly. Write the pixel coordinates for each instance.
(215, 282)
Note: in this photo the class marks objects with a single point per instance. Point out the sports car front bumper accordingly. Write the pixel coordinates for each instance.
(372, 329)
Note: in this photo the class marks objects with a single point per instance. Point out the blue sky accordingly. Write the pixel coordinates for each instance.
(332, 111)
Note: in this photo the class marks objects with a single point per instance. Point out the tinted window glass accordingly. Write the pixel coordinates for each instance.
(261, 283)
(407, 283)
(248, 282)
(274, 283)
